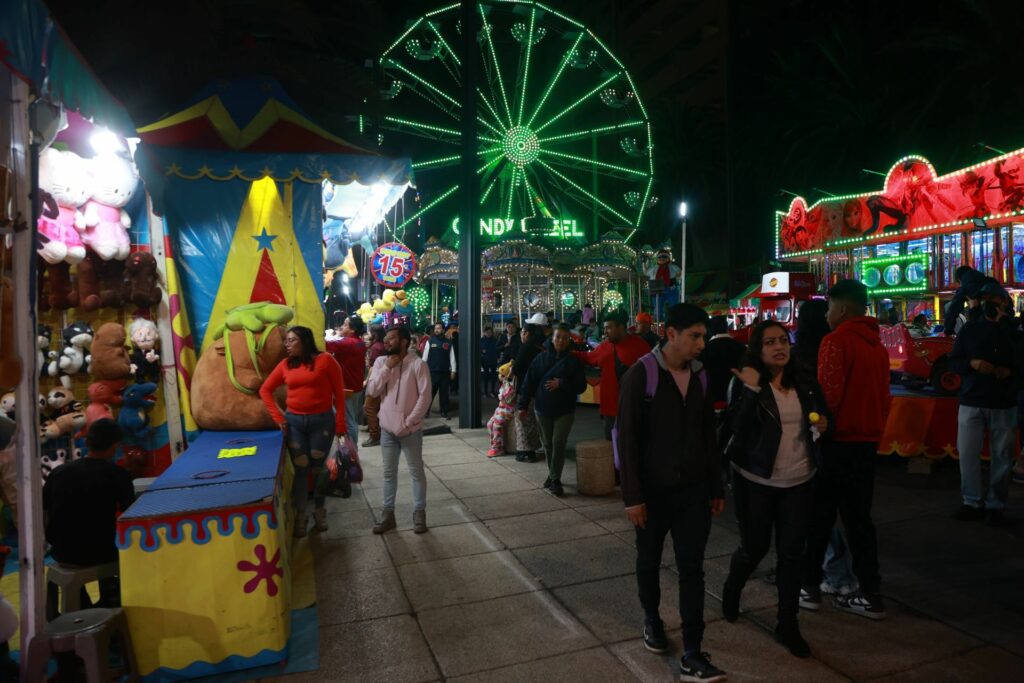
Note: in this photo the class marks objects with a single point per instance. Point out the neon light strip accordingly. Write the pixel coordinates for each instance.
(494, 58)
(643, 204)
(424, 126)
(602, 164)
(526, 67)
(401, 67)
(403, 37)
(442, 197)
(578, 102)
(455, 57)
(554, 80)
(511, 192)
(592, 131)
(563, 177)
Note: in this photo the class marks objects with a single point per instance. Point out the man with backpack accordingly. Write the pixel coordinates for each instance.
(671, 482)
(614, 356)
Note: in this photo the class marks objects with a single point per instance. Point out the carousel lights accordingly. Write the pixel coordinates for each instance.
(612, 299)
(906, 258)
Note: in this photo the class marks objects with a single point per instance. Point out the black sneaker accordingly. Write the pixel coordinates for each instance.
(793, 640)
(864, 604)
(699, 669)
(969, 513)
(556, 488)
(731, 601)
(445, 416)
(547, 483)
(369, 443)
(522, 456)
(810, 598)
(655, 639)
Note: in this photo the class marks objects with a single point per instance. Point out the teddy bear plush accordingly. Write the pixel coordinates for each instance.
(141, 282)
(77, 339)
(145, 359)
(110, 359)
(86, 294)
(65, 184)
(102, 396)
(60, 401)
(56, 282)
(114, 182)
(133, 418)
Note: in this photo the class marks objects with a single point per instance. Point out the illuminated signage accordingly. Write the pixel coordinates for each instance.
(895, 274)
(494, 228)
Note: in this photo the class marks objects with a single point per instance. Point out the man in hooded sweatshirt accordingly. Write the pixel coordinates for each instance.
(853, 370)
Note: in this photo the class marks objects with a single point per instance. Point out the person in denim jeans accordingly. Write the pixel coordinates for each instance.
(986, 355)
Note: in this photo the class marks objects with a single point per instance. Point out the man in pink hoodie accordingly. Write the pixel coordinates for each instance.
(402, 383)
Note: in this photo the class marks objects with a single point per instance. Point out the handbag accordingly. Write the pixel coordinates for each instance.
(336, 479)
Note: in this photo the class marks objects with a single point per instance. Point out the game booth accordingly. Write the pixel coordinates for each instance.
(905, 242)
(163, 272)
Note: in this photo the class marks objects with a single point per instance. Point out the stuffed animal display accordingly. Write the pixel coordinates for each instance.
(65, 184)
(140, 285)
(114, 181)
(145, 361)
(133, 418)
(110, 359)
(102, 396)
(77, 340)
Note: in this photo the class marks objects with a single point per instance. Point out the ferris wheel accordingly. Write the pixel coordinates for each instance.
(563, 133)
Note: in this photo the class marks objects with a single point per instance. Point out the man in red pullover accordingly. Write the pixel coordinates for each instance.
(853, 369)
(614, 356)
(350, 352)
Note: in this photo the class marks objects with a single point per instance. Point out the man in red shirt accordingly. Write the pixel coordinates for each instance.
(614, 356)
(853, 369)
(350, 352)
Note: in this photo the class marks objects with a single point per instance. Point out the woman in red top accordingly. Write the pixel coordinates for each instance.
(315, 402)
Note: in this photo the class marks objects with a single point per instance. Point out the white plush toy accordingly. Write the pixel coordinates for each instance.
(331, 335)
(114, 183)
(77, 338)
(64, 178)
(7, 404)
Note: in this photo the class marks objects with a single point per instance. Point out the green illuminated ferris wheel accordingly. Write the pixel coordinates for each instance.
(562, 130)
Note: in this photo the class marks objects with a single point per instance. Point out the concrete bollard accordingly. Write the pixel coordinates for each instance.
(595, 468)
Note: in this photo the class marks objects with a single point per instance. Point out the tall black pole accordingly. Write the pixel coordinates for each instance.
(469, 237)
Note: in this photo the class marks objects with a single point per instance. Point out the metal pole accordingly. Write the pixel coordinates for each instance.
(682, 267)
(469, 251)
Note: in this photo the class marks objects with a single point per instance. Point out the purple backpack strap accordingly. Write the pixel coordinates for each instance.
(651, 370)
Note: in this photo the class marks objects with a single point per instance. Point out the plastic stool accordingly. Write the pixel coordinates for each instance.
(595, 468)
(69, 581)
(87, 634)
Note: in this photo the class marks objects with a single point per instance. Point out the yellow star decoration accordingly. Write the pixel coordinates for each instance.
(173, 168)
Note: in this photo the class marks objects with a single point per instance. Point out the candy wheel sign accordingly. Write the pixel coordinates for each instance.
(393, 264)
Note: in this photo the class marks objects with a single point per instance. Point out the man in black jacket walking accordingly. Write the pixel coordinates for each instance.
(439, 355)
(554, 380)
(670, 479)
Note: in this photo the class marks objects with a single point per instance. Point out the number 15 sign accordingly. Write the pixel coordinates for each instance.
(393, 264)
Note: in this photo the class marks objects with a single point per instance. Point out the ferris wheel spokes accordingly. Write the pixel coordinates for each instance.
(554, 80)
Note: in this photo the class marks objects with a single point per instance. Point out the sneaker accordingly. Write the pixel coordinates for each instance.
(320, 519)
(386, 523)
(793, 640)
(556, 488)
(419, 521)
(969, 513)
(828, 589)
(697, 668)
(997, 518)
(655, 639)
(492, 453)
(810, 599)
(731, 601)
(547, 484)
(522, 456)
(863, 604)
(444, 416)
(369, 443)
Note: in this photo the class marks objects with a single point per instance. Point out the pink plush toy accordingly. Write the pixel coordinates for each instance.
(114, 183)
(65, 183)
(502, 415)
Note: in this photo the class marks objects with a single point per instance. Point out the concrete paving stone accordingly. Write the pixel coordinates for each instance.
(488, 486)
(388, 650)
(375, 495)
(355, 502)
(588, 559)
(487, 635)
(342, 556)
(349, 523)
(481, 468)
(453, 456)
(513, 504)
(982, 664)
(439, 513)
(573, 498)
(595, 666)
(723, 541)
(851, 644)
(359, 596)
(611, 609)
(543, 527)
(440, 543)
(646, 665)
(748, 652)
(611, 516)
(757, 594)
(465, 579)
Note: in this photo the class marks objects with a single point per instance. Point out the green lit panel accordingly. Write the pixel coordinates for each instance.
(895, 274)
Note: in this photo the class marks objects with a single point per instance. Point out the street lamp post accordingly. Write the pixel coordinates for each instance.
(682, 255)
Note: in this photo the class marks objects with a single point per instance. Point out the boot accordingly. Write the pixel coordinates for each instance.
(320, 519)
(300, 529)
(419, 521)
(386, 523)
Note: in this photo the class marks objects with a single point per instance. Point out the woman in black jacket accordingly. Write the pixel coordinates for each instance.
(527, 430)
(776, 416)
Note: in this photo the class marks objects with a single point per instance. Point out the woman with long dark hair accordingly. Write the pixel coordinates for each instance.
(776, 416)
(527, 429)
(314, 415)
(811, 328)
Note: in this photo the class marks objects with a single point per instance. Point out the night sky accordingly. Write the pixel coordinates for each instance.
(812, 93)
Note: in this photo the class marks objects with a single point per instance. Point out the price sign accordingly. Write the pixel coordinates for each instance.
(393, 264)
(236, 452)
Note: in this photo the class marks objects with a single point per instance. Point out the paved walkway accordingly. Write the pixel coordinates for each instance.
(512, 584)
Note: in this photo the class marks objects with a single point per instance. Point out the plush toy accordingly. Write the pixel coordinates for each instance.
(109, 281)
(254, 317)
(133, 419)
(61, 401)
(383, 305)
(110, 359)
(503, 414)
(145, 359)
(77, 338)
(224, 399)
(330, 334)
(114, 183)
(86, 294)
(64, 425)
(7, 403)
(65, 184)
(10, 364)
(403, 304)
(57, 285)
(51, 460)
(366, 312)
(141, 283)
(103, 395)
(44, 335)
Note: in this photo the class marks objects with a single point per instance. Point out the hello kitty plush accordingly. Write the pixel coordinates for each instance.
(65, 181)
(114, 182)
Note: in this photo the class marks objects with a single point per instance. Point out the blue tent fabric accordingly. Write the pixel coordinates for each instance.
(245, 97)
(35, 48)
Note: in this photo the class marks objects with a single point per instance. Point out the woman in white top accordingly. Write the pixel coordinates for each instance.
(776, 418)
